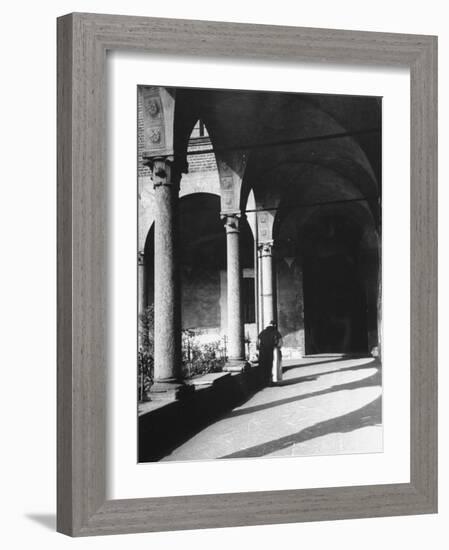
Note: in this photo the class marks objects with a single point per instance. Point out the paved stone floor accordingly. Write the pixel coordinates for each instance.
(323, 406)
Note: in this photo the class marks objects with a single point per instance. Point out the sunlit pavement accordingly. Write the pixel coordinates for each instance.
(323, 406)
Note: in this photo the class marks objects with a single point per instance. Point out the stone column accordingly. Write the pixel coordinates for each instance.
(260, 320)
(140, 282)
(266, 265)
(167, 307)
(140, 292)
(235, 346)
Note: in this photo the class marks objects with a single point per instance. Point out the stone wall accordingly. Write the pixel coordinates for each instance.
(201, 299)
(202, 176)
(290, 306)
(142, 171)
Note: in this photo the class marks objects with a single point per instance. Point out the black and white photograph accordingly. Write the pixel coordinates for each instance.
(259, 274)
(221, 252)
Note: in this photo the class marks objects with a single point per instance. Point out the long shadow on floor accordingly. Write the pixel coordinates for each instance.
(155, 446)
(368, 415)
(312, 377)
(169, 426)
(369, 381)
(323, 361)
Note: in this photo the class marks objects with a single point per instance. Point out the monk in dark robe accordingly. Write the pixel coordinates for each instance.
(267, 341)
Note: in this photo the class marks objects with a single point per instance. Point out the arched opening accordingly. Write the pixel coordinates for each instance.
(202, 265)
(328, 268)
(202, 257)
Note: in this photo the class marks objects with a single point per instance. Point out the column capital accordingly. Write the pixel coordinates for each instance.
(265, 248)
(231, 221)
(165, 170)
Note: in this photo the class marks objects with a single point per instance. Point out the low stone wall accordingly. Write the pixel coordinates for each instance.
(165, 424)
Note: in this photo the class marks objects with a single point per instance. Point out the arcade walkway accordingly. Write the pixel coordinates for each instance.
(324, 405)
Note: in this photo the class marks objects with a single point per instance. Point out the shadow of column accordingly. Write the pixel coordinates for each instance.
(368, 415)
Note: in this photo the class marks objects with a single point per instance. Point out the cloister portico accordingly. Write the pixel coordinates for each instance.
(295, 182)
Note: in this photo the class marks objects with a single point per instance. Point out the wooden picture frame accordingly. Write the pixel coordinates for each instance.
(83, 40)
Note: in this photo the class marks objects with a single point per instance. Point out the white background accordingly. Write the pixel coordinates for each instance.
(27, 300)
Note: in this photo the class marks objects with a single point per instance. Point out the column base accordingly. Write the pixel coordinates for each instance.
(165, 389)
(236, 365)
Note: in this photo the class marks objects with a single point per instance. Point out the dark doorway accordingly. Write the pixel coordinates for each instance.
(335, 308)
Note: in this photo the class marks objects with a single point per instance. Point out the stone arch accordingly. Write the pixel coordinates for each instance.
(202, 173)
(339, 285)
(201, 262)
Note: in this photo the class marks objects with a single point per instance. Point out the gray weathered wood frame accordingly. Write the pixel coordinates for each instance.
(83, 40)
